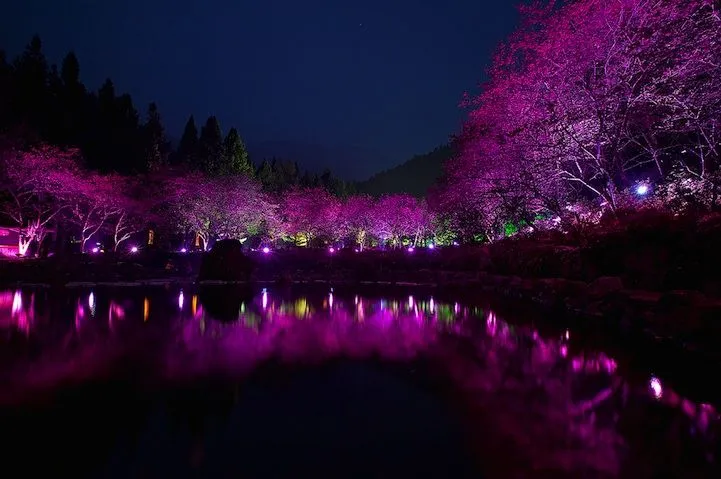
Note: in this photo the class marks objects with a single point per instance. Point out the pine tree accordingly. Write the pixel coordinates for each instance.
(188, 146)
(155, 145)
(70, 70)
(5, 91)
(266, 176)
(30, 93)
(210, 147)
(74, 100)
(236, 161)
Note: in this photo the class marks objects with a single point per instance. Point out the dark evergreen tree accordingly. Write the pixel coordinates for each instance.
(155, 145)
(235, 156)
(210, 147)
(29, 90)
(5, 92)
(70, 71)
(188, 146)
(266, 176)
(75, 112)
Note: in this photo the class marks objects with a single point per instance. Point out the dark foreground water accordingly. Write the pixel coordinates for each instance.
(289, 383)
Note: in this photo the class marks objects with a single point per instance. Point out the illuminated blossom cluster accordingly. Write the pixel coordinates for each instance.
(583, 101)
(45, 187)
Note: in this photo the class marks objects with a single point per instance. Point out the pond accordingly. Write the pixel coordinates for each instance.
(303, 382)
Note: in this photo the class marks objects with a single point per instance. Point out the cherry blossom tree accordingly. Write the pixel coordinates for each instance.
(356, 219)
(582, 100)
(398, 216)
(310, 213)
(135, 206)
(34, 183)
(216, 208)
(92, 200)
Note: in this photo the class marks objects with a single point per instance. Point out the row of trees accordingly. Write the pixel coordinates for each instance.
(47, 187)
(586, 100)
(42, 103)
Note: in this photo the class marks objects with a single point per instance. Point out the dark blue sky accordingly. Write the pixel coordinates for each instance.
(380, 77)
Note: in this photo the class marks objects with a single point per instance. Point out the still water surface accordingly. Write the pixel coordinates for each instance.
(167, 382)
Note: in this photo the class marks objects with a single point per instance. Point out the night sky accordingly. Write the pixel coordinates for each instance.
(379, 80)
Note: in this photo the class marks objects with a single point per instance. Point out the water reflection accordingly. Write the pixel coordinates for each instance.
(566, 409)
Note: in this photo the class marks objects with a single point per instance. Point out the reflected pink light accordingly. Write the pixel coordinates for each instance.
(264, 298)
(17, 303)
(564, 351)
(656, 388)
(181, 300)
(411, 249)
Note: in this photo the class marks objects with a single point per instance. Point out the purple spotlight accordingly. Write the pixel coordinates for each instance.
(134, 249)
(411, 249)
(431, 246)
(95, 250)
(331, 250)
(641, 190)
(266, 250)
(183, 250)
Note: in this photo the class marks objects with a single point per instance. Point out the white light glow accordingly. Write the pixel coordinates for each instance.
(656, 387)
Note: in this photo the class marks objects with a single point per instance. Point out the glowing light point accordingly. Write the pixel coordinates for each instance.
(91, 300)
(331, 250)
(181, 299)
(656, 388)
(641, 189)
(266, 250)
(431, 246)
(134, 249)
(95, 250)
(411, 249)
(183, 250)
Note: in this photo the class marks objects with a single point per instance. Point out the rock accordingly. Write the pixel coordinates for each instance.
(225, 262)
(605, 285)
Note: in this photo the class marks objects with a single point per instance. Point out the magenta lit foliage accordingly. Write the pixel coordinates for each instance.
(582, 101)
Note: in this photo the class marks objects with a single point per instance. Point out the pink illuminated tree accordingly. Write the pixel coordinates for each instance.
(356, 219)
(34, 183)
(92, 200)
(400, 216)
(309, 214)
(583, 98)
(217, 208)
